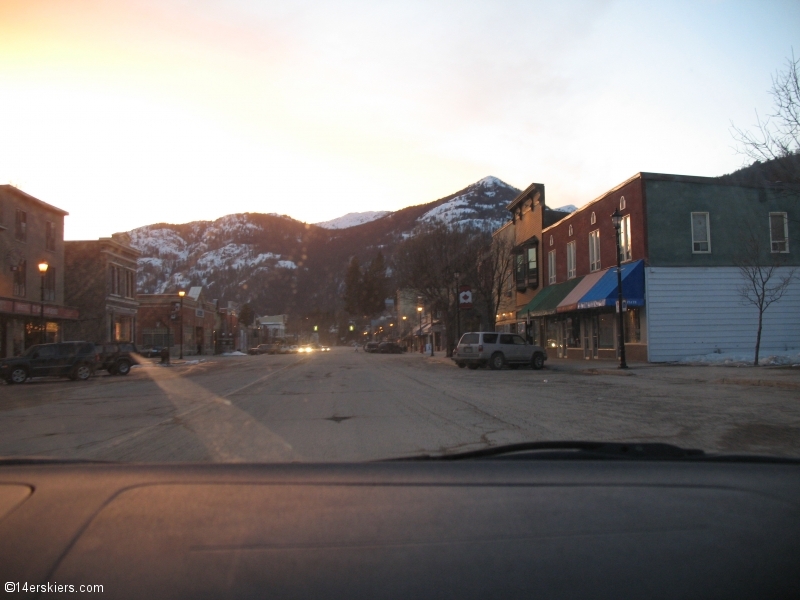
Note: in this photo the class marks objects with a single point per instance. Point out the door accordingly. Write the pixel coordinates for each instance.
(43, 360)
(507, 346)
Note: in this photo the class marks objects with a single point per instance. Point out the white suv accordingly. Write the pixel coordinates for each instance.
(480, 348)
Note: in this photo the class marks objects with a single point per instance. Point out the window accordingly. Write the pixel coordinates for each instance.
(20, 278)
(519, 270)
(701, 234)
(21, 226)
(50, 285)
(533, 266)
(130, 284)
(526, 268)
(571, 260)
(551, 240)
(622, 202)
(779, 232)
(551, 267)
(594, 218)
(625, 238)
(114, 274)
(594, 250)
(570, 229)
(50, 236)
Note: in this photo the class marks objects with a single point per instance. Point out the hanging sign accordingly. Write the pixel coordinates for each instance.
(465, 297)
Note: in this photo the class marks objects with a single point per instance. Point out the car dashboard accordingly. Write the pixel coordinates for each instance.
(473, 529)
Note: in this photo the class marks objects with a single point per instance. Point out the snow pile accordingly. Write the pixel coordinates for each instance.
(737, 359)
(234, 353)
(352, 219)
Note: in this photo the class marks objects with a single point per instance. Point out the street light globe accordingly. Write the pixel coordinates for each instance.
(43, 266)
(419, 309)
(181, 293)
(616, 218)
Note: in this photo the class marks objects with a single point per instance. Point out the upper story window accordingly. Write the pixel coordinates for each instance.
(622, 202)
(20, 276)
(779, 232)
(570, 229)
(526, 268)
(701, 233)
(50, 236)
(21, 226)
(594, 250)
(551, 240)
(49, 287)
(594, 218)
(551, 267)
(571, 260)
(625, 238)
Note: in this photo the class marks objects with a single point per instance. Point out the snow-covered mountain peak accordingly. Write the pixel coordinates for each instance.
(352, 219)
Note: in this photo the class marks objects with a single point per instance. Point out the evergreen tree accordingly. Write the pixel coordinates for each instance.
(353, 287)
(374, 285)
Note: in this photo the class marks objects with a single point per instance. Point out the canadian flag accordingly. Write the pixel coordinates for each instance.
(465, 297)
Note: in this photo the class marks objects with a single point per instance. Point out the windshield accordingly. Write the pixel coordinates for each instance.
(352, 231)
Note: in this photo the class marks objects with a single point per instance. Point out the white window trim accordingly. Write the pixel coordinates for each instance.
(594, 218)
(622, 202)
(570, 229)
(785, 233)
(594, 251)
(551, 267)
(571, 258)
(708, 231)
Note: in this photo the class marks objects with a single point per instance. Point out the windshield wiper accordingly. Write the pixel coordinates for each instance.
(568, 450)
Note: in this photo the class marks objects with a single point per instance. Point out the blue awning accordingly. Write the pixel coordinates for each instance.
(604, 292)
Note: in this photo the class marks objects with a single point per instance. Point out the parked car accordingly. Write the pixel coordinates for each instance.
(151, 351)
(116, 358)
(476, 349)
(76, 360)
(261, 349)
(371, 346)
(389, 348)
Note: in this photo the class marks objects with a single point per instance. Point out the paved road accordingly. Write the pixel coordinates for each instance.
(343, 406)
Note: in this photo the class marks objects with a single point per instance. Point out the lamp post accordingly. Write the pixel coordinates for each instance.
(43, 266)
(181, 293)
(458, 309)
(419, 312)
(616, 219)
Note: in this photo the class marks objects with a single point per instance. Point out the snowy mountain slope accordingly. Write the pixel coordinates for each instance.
(283, 265)
(352, 219)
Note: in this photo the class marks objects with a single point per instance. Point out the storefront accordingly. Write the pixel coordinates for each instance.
(24, 324)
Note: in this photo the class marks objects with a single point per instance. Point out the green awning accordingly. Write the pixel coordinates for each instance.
(546, 301)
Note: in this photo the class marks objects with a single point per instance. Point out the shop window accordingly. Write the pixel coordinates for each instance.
(551, 267)
(571, 260)
(625, 238)
(20, 276)
(779, 232)
(701, 233)
(572, 330)
(50, 236)
(552, 333)
(594, 250)
(605, 337)
(21, 226)
(633, 327)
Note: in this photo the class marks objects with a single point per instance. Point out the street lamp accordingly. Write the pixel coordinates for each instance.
(616, 219)
(43, 266)
(181, 294)
(458, 309)
(419, 312)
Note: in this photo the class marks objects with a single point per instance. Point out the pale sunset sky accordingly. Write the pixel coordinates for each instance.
(127, 113)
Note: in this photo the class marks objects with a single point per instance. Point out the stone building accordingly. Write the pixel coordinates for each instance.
(102, 285)
(32, 304)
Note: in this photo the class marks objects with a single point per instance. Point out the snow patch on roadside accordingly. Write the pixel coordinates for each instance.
(739, 359)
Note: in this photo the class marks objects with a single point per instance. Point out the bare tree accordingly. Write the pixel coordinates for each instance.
(776, 138)
(763, 285)
(494, 271)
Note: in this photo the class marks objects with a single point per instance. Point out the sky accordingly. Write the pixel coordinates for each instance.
(128, 113)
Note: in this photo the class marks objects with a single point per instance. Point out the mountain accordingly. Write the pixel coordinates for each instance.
(352, 219)
(282, 265)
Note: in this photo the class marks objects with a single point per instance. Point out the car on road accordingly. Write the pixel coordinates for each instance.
(371, 347)
(261, 349)
(116, 358)
(497, 350)
(76, 360)
(389, 348)
(151, 351)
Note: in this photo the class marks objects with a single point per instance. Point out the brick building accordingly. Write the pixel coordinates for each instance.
(162, 317)
(102, 285)
(32, 304)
